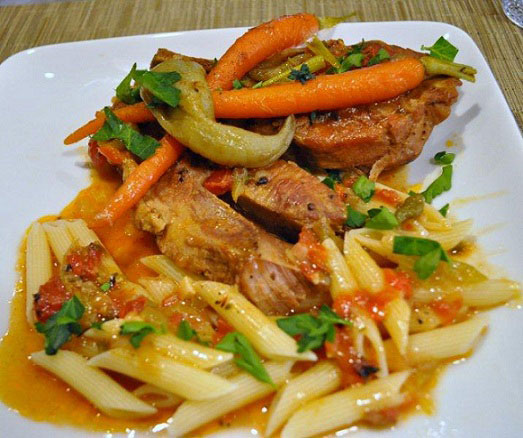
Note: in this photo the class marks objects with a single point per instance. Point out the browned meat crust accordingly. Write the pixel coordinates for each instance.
(383, 135)
(205, 236)
(285, 198)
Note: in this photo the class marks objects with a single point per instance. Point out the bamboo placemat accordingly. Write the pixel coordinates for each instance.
(23, 27)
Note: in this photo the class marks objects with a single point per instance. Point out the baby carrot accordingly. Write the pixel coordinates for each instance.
(258, 44)
(327, 92)
(137, 113)
(139, 181)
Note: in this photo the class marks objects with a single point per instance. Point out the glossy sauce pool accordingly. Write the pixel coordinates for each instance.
(38, 395)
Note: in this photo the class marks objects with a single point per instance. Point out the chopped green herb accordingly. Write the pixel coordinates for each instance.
(125, 92)
(185, 331)
(141, 145)
(444, 157)
(160, 85)
(248, 359)
(444, 210)
(441, 184)
(303, 74)
(430, 252)
(97, 325)
(412, 207)
(381, 56)
(105, 286)
(258, 84)
(313, 330)
(355, 219)
(353, 60)
(61, 325)
(214, 61)
(237, 84)
(364, 188)
(442, 49)
(138, 331)
(333, 178)
(312, 117)
(381, 219)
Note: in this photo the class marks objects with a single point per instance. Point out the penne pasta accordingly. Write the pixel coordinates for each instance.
(193, 414)
(163, 265)
(93, 384)
(344, 407)
(156, 396)
(158, 288)
(442, 343)
(262, 332)
(59, 238)
(38, 266)
(84, 236)
(367, 272)
(490, 292)
(318, 381)
(368, 328)
(396, 321)
(189, 352)
(423, 318)
(342, 279)
(151, 367)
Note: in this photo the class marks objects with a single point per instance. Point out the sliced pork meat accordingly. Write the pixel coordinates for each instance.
(379, 136)
(267, 285)
(285, 198)
(204, 235)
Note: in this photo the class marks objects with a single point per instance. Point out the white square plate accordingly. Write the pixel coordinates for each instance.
(49, 91)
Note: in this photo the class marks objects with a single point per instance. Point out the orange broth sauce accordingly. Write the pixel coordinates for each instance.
(40, 396)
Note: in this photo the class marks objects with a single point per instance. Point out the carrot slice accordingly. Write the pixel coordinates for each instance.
(137, 113)
(326, 92)
(113, 155)
(139, 181)
(258, 44)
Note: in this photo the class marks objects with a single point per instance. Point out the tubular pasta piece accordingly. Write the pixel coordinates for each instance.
(163, 265)
(59, 238)
(151, 367)
(344, 407)
(193, 414)
(318, 381)
(367, 272)
(262, 332)
(189, 352)
(93, 384)
(161, 398)
(38, 266)
(490, 292)
(366, 326)
(342, 279)
(396, 321)
(158, 288)
(438, 344)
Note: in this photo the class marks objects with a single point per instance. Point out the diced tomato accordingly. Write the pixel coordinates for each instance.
(219, 181)
(136, 305)
(399, 280)
(374, 304)
(84, 262)
(447, 308)
(316, 258)
(222, 328)
(176, 318)
(99, 161)
(342, 351)
(389, 197)
(50, 298)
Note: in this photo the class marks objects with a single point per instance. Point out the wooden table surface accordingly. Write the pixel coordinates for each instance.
(26, 26)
